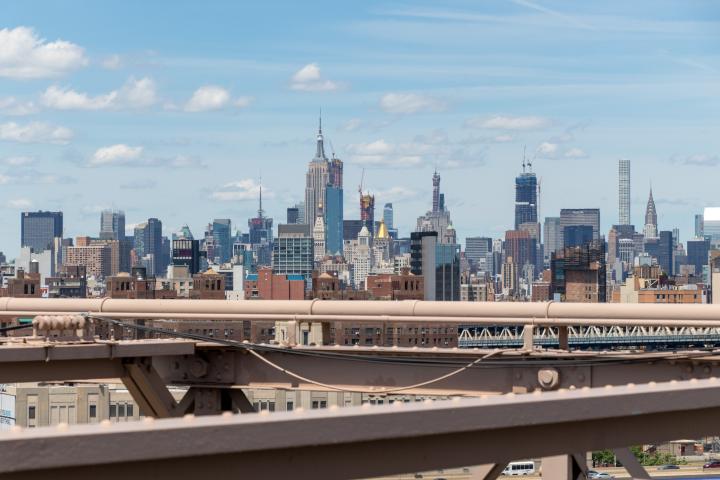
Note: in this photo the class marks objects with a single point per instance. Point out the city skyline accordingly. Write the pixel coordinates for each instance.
(113, 124)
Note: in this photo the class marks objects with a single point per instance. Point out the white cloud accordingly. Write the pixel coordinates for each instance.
(14, 107)
(382, 154)
(35, 132)
(508, 123)
(242, 102)
(23, 54)
(309, 79)
(240, 190)
(352, 125)
(207, 97)
(702, 160)
(137, 93)
(575, 153)
(503, 138)
(406, 103)
(68, 99)
(134, 94)
(116, 155)
(396, 194)
(547, 150)
(112, 62)
(18, 161)
(19, 203)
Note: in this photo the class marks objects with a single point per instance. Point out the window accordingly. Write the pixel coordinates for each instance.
(129, 409)
(315, 404)
(289, 406)
(121, 410)
(31, 412)
(92, 413)
(113, 410)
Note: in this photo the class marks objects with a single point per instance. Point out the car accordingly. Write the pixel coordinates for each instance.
(668, 467)
(712, 464)
(593, 474)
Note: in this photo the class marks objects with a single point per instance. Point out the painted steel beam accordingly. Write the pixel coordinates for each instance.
(56, 361)
(367, 441)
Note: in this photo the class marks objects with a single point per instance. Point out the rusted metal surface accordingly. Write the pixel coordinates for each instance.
(368, 441)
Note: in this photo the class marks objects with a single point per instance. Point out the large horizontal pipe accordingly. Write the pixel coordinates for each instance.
(381, 319)
(509, 313)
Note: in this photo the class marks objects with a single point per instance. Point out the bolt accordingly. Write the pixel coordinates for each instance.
(549, 378)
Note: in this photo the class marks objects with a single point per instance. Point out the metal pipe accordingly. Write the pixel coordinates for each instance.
(541, 314)
(500, 321)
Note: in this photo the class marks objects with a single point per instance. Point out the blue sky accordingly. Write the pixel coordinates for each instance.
(175, 109)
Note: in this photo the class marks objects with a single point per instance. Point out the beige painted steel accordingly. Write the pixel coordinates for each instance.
(543, 314)
(182, 362)
(368, 441)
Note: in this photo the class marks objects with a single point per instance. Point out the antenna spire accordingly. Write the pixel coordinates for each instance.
(260, 209)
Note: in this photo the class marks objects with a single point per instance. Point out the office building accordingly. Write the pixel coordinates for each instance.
(698, 251)
(186, 252)
(388, 216)
(437, 219)
(38, 230)
(651, 228)
(711, 225)
(367, 212)
(525, 197)
(699, 229)
(577, 235)
(447, 272)
(112, 225)
(478, 251)
(334, 220)
(222, 233)
(624, 192)
(293, 251)
(293, 215)
(520, 246)
(665, 252)
(552, 236)
(580, 216)
(148, 246)
(316, 180)
(578, 274)
(422, 260)
(351, 229)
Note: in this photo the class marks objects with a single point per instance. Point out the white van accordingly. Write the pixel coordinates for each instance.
(520, 468)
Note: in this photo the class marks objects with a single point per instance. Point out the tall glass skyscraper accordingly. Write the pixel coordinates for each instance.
(525, 198)
(624, 192)
(39, 229)
(222, 231)
(112, 225)
(388, 216)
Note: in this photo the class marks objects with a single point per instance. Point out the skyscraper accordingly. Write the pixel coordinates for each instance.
(316, 180)
(525, 197)
(478, 250)
(388, 216)
(624, 192)
(437, 219)
(552, 234)
(334, 219)
(260, 234)
(580, 216)
(699, 227)
(148, 246)
(38, 230)
(112, 225)
(650, 229)
(222, 231)
(367, 212)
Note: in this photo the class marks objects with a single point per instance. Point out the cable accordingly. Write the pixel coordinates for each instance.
(407, 361)
(15, 327)
(382, 391)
